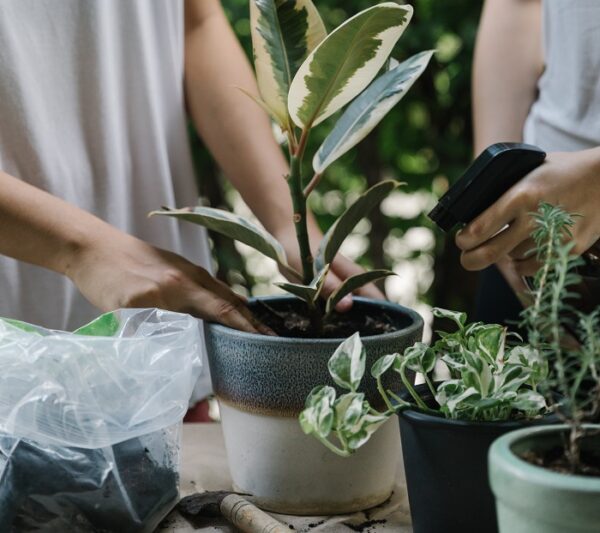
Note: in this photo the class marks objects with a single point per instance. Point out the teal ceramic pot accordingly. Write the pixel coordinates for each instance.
(262, 383)
(532, 499)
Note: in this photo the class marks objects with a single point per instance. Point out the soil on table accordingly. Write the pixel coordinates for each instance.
(289, 319)
(78, 490)
(554, 459)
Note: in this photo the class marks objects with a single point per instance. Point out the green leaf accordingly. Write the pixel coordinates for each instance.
(369, 109)
(318, 417)
(459, 318)
(345, 62)
(347, 364)
(236, 228)
(105, 325)
(349, 409)
(529, 401)
(23, 326)
(284, 32)
(352, 283)
(342, 227)
(420, 358)
(369, 425)
(383, 364)
(308, 293)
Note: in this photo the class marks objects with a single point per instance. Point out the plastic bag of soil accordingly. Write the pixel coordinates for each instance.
(90, 421)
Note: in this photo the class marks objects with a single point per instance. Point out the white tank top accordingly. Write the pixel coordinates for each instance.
(566, 115)
(92, 111)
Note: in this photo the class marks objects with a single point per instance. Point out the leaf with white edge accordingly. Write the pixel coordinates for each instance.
(530, 401)
(369, 425)
(234, 227)
(308, 293)
(352, 283)
(459, 318)
(319, 415)
(349, 409)
(347, 364)
(383, 364)
(345, 62)
(420, 358)
(284, 32)
(341, 228)
(368, 109)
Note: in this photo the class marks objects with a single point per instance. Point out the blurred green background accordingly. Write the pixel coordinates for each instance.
(425, 141)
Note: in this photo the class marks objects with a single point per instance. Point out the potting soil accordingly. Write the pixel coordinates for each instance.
(130, 486)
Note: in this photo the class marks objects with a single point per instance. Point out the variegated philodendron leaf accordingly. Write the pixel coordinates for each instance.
(234, 227)
(352, 283)
(369, 109)
(319, 414)
(308, 293)
(342, 227)
(284, 32)
(347, 364)
(345, 62)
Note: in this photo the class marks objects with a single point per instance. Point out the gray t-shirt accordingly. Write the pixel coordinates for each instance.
(92, 110)
(566, 115)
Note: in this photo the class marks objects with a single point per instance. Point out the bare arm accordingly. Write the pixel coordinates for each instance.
(508, 63)
(109, 267)
(238, 132)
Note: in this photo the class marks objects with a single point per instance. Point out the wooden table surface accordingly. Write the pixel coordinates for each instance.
(204, 467)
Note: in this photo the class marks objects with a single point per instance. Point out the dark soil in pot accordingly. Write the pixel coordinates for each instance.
(50, 489)
(290, 318)
(446, 471)
(551, 455)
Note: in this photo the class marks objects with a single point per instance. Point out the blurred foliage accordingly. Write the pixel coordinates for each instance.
(425, 141)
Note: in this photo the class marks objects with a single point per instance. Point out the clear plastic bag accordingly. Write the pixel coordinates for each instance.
(90, 421)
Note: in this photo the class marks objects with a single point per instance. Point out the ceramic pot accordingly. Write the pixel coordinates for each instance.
(532, 499)
(445, 462)
(262, 383)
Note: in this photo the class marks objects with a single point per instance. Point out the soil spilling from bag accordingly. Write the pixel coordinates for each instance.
(78, 490)
(289, 319)
(554, 459)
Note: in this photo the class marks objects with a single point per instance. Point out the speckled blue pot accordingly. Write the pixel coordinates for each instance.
(262, 383)
(274, 375)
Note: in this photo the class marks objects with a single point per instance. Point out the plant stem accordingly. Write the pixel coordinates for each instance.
(333, 447)
(384, 394)
(411, 390)
(300, 217)
(312, 184)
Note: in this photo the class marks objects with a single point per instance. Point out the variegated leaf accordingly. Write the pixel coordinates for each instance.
(234, 227)
(347, 364)
(352, 283)
(345, 224)
(345, 62)
(284, 32)
(369, 109)
(308, 293)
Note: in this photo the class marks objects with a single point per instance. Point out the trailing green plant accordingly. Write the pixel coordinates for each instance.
(304, 77)
(487, 381)
(567, 339)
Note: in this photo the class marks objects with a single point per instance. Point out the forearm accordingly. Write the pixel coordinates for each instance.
(42, 229)
(235, 129)
(507, 65)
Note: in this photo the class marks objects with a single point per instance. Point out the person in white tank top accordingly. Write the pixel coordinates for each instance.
(93, 99)
(537, 79)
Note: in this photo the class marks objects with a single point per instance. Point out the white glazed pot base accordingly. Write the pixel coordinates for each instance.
(289, 472)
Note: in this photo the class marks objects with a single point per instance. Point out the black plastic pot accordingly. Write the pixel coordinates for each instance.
(446, 471)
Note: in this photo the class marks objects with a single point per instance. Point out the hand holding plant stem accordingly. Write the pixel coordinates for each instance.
(305, 76)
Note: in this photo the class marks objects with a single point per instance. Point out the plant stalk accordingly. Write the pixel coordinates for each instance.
(300, 217)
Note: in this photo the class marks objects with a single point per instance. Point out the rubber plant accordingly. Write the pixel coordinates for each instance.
(305, 76)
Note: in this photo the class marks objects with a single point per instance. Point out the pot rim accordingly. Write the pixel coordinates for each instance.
(415, 325)
(502, 456)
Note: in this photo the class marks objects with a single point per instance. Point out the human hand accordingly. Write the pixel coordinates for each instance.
(341, 267)
(118, 271)
(568, 179)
